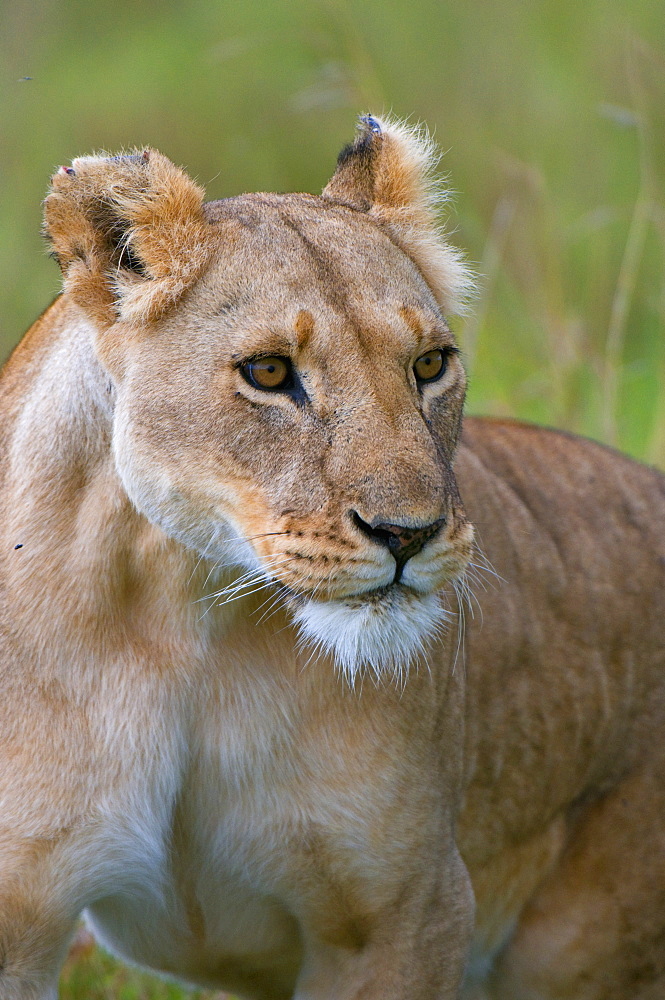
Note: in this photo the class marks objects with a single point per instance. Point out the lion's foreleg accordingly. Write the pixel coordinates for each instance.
(415, 950)
(38, 913)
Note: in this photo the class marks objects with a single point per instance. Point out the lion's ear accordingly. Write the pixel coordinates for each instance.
(388, 173)
(129, 234)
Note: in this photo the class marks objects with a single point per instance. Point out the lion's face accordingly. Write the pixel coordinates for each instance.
(295, 414)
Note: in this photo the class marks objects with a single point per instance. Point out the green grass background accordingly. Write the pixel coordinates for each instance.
(551, 114)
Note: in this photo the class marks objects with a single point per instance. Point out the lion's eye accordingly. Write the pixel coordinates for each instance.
(271, 373)
(431, 366)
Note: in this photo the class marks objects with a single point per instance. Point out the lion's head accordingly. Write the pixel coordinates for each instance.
(287, 394)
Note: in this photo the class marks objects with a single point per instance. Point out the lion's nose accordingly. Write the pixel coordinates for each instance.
(402, 541)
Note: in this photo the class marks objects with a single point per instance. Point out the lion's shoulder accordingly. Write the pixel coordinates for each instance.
(30, 352)
(529, 488)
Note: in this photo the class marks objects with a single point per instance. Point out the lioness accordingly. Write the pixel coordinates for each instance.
(242, 724)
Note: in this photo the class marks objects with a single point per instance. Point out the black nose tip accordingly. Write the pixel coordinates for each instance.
(402, 541)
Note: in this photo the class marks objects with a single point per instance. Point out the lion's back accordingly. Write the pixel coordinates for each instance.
(565, 654)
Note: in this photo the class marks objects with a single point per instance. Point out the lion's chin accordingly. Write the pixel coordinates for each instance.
(384, 632)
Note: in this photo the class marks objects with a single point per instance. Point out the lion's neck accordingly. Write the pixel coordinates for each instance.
(103, 569)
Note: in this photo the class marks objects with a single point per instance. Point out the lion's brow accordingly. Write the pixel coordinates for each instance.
(304, 327)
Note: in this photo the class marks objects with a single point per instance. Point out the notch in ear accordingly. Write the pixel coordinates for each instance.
(129, 234)
(388, 172)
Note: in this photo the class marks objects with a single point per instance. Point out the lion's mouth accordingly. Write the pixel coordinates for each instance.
(376, 596)
(379, 595)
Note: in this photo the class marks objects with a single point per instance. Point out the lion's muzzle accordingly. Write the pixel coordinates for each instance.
(402, 540)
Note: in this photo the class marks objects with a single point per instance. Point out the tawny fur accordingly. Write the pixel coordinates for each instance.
(256, 760)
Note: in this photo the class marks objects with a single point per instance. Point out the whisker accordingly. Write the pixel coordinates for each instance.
(475, 573)
(274, 603)
(461, 631)
(245, 593)
(247, 579)
(214, 567)
(464, 591)
(239, 543)
(270, 612)
(203, 556)
(237, 597)
(483, 565)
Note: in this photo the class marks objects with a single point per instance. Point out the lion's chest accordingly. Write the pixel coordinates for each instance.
(219, 848)
(197, 891)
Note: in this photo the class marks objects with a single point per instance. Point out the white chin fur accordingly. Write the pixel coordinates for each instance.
(384, 632)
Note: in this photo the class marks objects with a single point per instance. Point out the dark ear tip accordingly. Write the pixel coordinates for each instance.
(371, 124)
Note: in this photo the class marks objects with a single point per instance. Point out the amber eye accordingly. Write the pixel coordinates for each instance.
(271, 373)
(428, 367)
